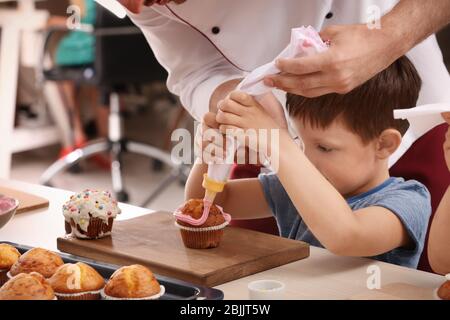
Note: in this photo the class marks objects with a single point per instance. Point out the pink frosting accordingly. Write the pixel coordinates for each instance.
(6, 204)
(198, 222)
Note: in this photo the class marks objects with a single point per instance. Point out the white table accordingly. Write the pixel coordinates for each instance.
(321, 276)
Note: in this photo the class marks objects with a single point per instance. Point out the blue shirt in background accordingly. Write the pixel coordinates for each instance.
(408, 200)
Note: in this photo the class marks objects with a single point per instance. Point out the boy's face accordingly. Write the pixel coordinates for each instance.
(340, 155)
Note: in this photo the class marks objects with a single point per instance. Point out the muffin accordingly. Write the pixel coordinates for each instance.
(8, 256)
(133, 282)
(90, 214)
(37, 260)
(444, 291)
(76, 282)
(201, 224)
(32, 286)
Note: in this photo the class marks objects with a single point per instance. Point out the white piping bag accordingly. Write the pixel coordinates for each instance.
(305, 41)
(421, 120)
(114, 6)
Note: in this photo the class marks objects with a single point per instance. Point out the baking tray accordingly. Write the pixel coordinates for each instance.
(175, 289)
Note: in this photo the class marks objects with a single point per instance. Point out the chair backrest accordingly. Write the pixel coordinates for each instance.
(425, 162)
(125, 57)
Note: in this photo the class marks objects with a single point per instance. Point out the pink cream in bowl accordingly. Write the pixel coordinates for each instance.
(8, 207)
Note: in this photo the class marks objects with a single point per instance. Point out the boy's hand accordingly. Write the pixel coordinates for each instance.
(209, 141)
(446, 117)
(241, 116)
(241, 111)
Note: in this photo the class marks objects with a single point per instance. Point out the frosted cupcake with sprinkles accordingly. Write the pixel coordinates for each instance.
(90, 214)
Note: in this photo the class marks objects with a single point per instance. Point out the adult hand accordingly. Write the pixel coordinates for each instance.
(356, 54)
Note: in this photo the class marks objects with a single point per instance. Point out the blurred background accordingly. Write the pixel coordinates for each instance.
(70, 85)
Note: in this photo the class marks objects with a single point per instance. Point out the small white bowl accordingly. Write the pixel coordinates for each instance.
(266, 290)
(6, 215)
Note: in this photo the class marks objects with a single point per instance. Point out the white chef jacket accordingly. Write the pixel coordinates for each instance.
(203, 43)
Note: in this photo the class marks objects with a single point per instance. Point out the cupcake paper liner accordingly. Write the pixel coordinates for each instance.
(3, 276)
(67, 227)
(154, 297)
(202, 238)
(88, 295)
(97, 228)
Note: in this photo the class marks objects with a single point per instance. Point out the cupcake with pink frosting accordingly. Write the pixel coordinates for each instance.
(90, 214)
(201, 224)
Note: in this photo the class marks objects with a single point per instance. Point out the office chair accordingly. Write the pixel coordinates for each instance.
(122, 57)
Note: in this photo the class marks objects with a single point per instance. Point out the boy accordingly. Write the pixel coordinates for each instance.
(439, 240)
(337, 193)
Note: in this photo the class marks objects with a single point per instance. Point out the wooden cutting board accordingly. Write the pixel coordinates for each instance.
(396, 291)
(27, 201)
(154, 241)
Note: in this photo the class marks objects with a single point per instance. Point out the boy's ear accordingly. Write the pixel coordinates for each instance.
(388, 141)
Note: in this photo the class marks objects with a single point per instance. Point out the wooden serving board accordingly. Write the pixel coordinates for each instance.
(27, 201)
(397, 291)
(154, 241)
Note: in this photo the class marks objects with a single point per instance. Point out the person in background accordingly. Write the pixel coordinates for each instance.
(77, 49)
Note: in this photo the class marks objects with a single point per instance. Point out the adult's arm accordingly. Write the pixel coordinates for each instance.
(358, 52)
(439, 239)
(196, 68)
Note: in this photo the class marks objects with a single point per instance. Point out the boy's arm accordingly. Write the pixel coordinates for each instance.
(439, 240)
(243, 198)
(327, 214)
(322, 208)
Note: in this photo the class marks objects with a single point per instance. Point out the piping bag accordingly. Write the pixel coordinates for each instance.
(421, 120)
(305, 41)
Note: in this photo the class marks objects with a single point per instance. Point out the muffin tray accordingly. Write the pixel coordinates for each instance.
(175, 289)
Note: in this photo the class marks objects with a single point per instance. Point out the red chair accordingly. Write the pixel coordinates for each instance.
(423, 162)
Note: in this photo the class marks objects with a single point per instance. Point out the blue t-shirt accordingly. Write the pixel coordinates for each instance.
(408, 200)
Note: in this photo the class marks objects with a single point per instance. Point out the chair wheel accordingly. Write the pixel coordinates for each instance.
(157, 165)
(122, 196)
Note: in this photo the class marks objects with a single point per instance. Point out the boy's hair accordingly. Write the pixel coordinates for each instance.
(367, 110)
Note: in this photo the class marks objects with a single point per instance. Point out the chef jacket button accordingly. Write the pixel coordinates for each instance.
(215, 30)
(329, 15)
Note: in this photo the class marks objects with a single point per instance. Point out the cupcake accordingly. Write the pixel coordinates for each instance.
(76, 282)
(201, 224)
(133, 282)
(8, 256)
(37, 260)
(32, 286)
(90, 214)
(444, 291)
